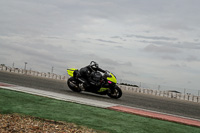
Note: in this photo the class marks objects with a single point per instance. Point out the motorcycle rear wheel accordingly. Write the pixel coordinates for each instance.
(116, 93)
(72, 85)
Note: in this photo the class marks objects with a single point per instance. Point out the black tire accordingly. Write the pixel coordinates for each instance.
(72, 83)
(116, 93)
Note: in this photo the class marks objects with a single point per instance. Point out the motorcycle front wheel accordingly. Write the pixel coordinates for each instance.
(72, 85)
(116, 93)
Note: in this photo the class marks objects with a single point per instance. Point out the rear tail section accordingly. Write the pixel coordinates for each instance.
(70, 71)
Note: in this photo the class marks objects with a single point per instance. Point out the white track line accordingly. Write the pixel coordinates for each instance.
(59, 96)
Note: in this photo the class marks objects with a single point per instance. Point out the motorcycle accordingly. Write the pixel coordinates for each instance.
(108, 84)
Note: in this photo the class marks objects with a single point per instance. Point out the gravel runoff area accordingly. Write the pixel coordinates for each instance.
(14, 123)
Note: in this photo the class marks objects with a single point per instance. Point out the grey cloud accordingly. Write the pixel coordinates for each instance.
(160, 49)
(105, 61)
(41, 18)
(42, 57)
(107, 41)
(115, 63)
(178, 65)
(47, 53)
(55, 37)
(192, 58)
(118, 37)
(175, 65)
(80, 41)
(168, 57)
(130, 73)
(189, 45)
(176, 26)
(170, 53)
(181, 45)
(119, 47)
(153, 37)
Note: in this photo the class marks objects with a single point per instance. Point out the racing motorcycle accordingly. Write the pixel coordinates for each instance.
(107, 82)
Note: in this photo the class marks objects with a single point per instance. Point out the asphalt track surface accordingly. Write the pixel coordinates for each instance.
(155, 103)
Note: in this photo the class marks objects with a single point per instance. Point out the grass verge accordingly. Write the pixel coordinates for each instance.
(92, 117)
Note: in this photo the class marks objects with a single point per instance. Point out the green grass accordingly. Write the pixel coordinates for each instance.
(92, 117)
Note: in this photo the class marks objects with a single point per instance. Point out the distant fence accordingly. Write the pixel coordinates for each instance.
(163, 93)
(183, 90)
(33, 73)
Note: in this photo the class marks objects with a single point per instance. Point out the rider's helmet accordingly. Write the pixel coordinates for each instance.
(94, 65)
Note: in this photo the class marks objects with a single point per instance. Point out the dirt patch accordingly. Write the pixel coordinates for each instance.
(14, 123)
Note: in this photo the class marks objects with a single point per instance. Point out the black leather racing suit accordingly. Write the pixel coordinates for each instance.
(87, 72)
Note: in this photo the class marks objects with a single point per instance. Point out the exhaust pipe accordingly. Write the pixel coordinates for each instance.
(73, 85)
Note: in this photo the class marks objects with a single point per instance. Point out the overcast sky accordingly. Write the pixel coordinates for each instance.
(151, 41)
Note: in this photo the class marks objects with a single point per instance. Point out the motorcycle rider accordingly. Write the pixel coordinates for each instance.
(92, 74)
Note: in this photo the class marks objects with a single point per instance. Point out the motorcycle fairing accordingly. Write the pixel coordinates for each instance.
(112, 79)
(103, 89)
(70, 71)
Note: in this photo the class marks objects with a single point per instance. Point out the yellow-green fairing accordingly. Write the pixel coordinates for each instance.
(70, 71)
(112, 79)
(103, 89)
